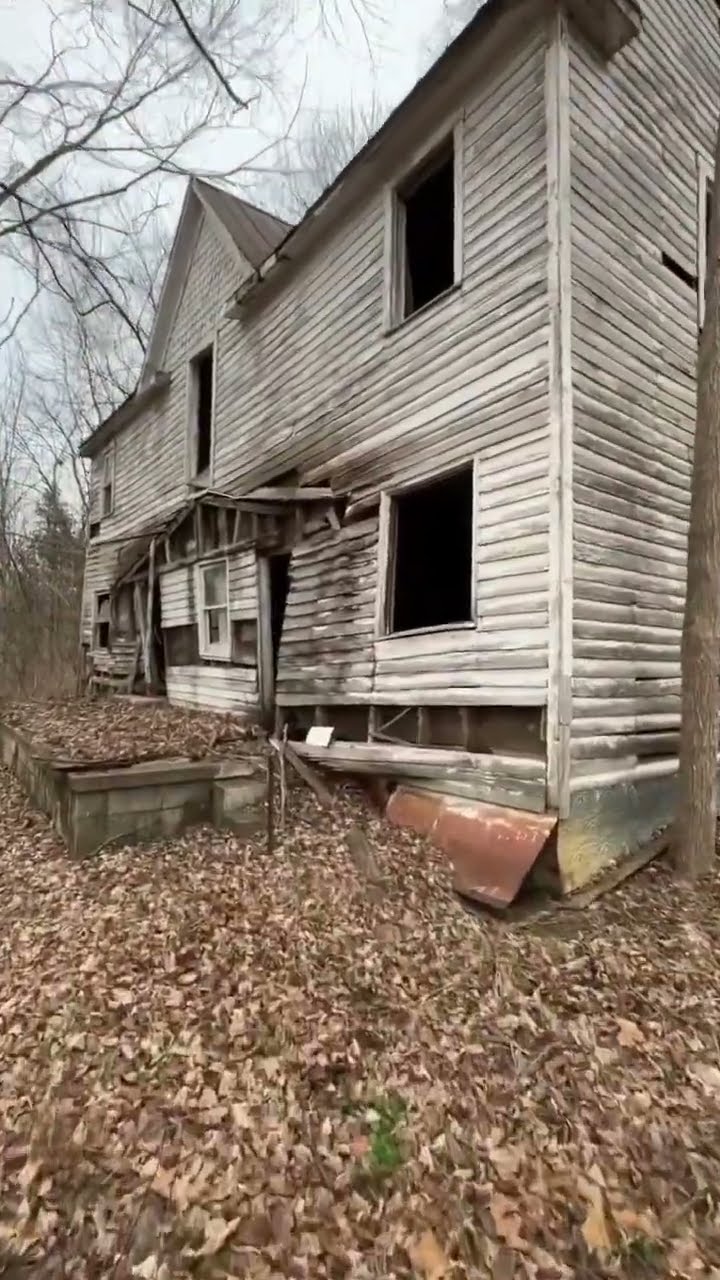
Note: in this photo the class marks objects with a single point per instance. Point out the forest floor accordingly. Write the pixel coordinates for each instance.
(216, 1061)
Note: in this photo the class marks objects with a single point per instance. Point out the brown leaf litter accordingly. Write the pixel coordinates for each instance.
(215, 1062)
(122, 729)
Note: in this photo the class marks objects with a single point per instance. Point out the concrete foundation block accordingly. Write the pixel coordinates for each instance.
(239, 805)
(129, 800)
(194, 795)
(89, 804)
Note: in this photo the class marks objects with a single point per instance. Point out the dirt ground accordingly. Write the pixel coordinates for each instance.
(122, 729)
(219, 1062)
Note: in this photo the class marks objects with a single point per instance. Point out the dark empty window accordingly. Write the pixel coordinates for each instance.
(202, 369)
(427, 227)
(101, 637)
(431, 573)
(108, 482)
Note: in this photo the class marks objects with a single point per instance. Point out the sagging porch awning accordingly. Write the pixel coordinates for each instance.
(266, 518)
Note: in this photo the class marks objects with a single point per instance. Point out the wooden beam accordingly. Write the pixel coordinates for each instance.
(147, 653)
(285, 493)
(306, 772)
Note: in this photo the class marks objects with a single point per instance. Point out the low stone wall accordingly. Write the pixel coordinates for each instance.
(156, 799)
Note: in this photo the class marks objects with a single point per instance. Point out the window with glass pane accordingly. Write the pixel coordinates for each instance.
(215, 584)
(214, 621)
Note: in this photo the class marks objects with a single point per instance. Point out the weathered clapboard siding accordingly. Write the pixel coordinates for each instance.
(150, 453)
(177, 597)
(242, 584)
(100, 563)
(222, 688)
(327, 639)
(467, 379)
(374, 408)
(638, 126)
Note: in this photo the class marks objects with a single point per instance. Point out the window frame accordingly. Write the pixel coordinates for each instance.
(705, 180)
(220, 650)
(209, 346)
(386, 565)
(107, 463)
(96, 647)
(394, 273)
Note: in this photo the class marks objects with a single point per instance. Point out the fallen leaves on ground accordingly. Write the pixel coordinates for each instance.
(121, 729)
(219, 1062)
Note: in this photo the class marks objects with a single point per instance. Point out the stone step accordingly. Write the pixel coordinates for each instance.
(239, 804)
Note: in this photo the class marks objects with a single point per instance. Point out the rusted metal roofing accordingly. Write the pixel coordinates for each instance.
(256, 232)
(492, 848)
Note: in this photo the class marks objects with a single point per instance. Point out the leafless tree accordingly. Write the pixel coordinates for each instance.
(454, 16)
(126, 92)
(695, 829)
(322, 144)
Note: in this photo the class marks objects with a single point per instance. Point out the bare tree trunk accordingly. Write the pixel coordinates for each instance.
(695, 830)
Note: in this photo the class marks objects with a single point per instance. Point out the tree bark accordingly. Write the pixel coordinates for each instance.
(695, 829)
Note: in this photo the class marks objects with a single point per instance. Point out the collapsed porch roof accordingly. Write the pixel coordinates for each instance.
(134, 550)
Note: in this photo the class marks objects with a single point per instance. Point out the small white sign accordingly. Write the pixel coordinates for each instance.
(321, 735)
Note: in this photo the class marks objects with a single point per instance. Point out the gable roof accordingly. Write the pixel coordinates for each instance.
(251, 233)
(255, 231)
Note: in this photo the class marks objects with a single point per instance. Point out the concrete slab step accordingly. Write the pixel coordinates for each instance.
(239, 804)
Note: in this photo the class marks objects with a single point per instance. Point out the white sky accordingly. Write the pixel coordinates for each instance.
(380, 61)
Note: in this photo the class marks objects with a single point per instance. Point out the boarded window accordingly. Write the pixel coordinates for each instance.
(432, 559)
(214, 619)
(426, 231)
(201, 373)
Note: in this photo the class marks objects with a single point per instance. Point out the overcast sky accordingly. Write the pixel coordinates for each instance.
(375, 62)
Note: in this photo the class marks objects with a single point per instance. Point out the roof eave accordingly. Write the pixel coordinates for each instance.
(121, 417)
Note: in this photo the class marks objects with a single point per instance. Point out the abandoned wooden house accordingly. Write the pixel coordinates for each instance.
(418, 468)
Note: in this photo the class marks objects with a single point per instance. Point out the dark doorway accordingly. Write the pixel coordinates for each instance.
(279, 587)
(156, 639)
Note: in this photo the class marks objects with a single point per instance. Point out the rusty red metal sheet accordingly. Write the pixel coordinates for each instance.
(492, 849)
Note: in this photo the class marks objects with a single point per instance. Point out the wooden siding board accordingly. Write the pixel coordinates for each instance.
(177, 597)
(225, 688)
(150, 452)
(308, 379)
(242, 584)
(638, 124)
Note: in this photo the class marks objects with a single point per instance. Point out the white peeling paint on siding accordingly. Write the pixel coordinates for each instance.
(638, 125)
(242, 584)
(219, 688)
(177, 597)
